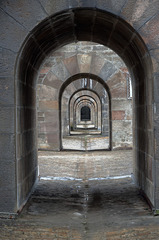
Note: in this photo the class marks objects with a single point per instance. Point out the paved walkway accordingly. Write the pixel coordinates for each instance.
(85, 165)
(103, 209)
(85, 142)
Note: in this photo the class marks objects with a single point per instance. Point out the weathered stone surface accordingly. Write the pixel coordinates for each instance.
(77, 84)
(50, 104)
(118, 85)
(121, 134)
(6, 91)
(48, 127)
(33, 14)
(149, 167)
(139, 12)
(26, 118)
(52, 81)
(72, 65)
(60, 71)
(47, 93)
(51, 7)
(118, 115)
(25, 164)
(150, 32)
(96, 64)
(7, 147)
(121, 104)
(7, 62)
(44, 70)
(9, 38)
(7, 120)
(84, 62)
(155, 60)
(107, 70)
(53, 140)
(114, 6)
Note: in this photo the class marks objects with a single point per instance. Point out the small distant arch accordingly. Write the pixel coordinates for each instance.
(85, 113)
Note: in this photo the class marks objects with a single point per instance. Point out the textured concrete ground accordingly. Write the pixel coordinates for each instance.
(108, 209)
(85, 142)
(85, 165)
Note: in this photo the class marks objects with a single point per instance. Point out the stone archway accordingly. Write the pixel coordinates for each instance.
(77, 24)
(69, 98)
(120, 41)
(135, 61)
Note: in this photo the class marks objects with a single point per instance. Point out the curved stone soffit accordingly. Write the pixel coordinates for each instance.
(72, 90)
(64, 68)
(82, 25)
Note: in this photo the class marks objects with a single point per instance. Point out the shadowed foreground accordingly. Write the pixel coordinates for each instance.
(83, 209)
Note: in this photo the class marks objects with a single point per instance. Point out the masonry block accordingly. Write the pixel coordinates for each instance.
(49, 104)
(7, 184)
(6, 91)
(155, 59)
(96, 64)
(150, 32)
(139, 12)
(7, 62)
(7, 146)
(84, 62)
(7, 120)
(118, 115)
(47, 93)
(52, 7)
(72, 65)
(107, 70)
(52, 80)
(111, 5)
(33, 9)
(15, 34)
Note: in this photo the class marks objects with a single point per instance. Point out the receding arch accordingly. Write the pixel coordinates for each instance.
(104, 86)
(77, 25)
(89, 102)
(97, 106)
(85, 102)
(85, 113)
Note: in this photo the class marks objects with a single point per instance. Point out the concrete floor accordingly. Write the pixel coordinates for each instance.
(86, 201)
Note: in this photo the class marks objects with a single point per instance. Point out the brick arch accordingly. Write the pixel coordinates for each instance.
(90, 25)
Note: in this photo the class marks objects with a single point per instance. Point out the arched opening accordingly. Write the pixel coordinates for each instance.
(96, 133)
(77, 100)
(83, 25)
(85, 113)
